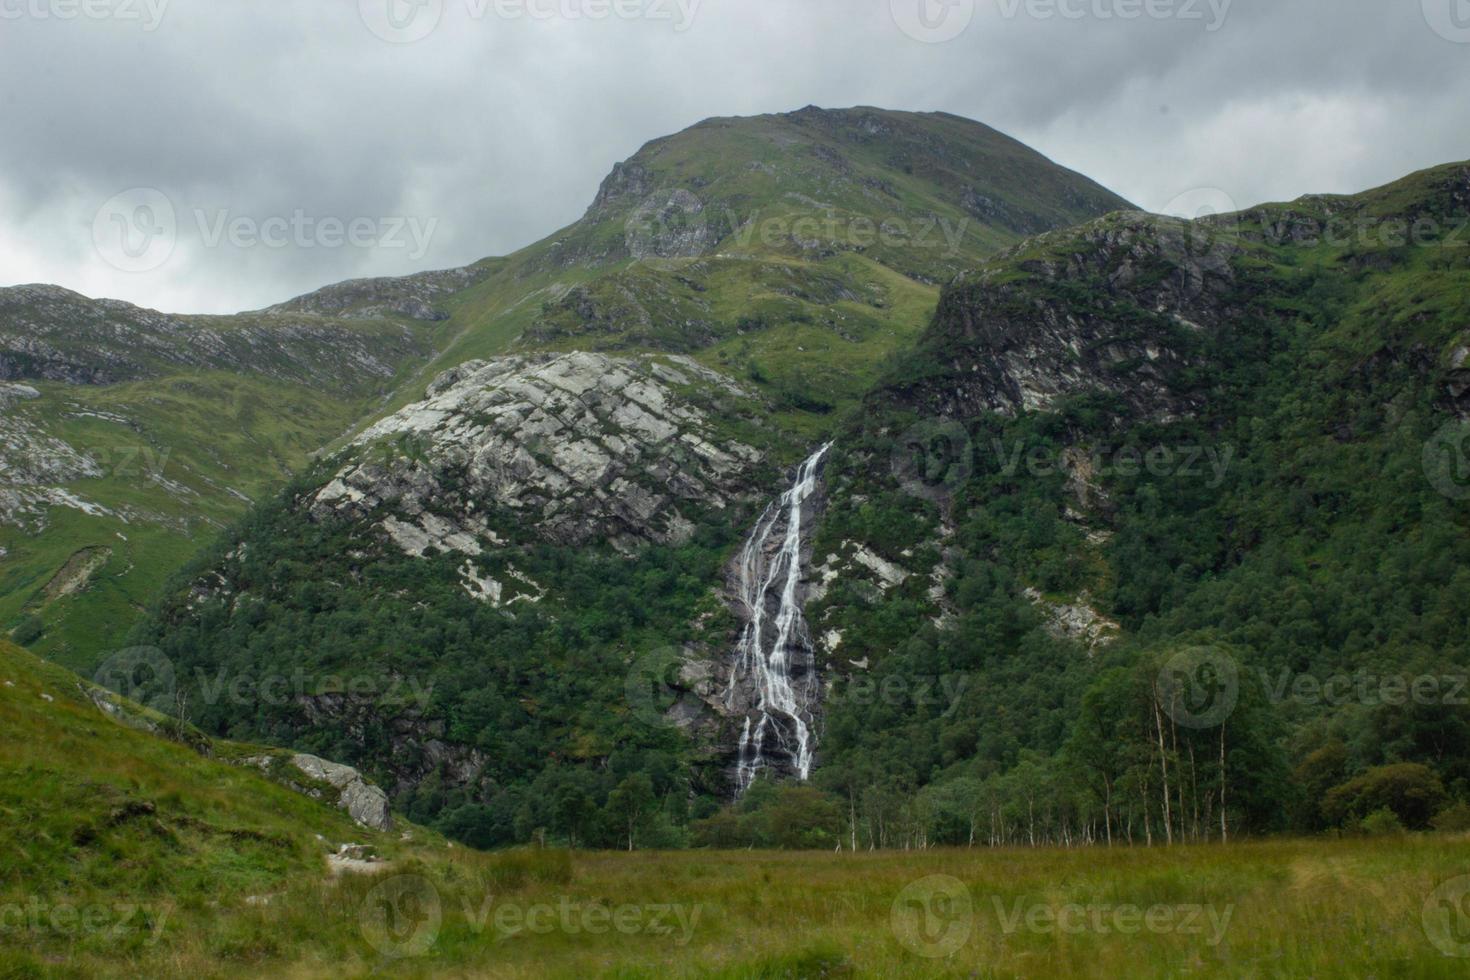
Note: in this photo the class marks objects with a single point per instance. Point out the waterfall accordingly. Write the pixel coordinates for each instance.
(773, 655)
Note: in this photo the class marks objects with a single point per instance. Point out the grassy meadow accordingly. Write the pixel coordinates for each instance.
(130, 853)
(1280, 909)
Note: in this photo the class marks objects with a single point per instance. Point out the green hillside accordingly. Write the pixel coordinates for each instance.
(794, 252)
(1032, 588)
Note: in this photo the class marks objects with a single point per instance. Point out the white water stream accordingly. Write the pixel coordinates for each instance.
(766, 646)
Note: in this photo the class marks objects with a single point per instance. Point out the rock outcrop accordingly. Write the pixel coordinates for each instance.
(364, 802)
(579, 447)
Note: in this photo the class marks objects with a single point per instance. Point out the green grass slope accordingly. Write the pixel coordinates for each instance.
(129, 438)
(124, 854)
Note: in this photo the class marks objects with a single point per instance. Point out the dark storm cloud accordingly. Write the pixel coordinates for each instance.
(303, 142)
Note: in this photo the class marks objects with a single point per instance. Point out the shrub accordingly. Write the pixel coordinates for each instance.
(1382, 823)
(29, 630)
(1412, 791)
(1453, 819)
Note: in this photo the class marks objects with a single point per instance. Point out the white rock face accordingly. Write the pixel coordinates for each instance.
(1077, 621)
(364, 802)
(579, 446)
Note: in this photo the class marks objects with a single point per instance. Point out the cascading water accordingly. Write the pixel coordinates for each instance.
(773, 656)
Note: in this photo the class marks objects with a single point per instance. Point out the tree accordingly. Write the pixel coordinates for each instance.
(1412, 791)
(630, 805)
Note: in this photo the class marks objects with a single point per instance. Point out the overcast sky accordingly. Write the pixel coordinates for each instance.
(486, 124)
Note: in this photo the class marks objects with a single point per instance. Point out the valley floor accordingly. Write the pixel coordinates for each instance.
(1352, 908)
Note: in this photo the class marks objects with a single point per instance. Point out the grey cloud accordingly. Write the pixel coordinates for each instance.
(500, 129)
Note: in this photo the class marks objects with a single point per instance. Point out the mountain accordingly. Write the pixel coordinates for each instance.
(1042, 530)
(1113, 445)
(793, 253)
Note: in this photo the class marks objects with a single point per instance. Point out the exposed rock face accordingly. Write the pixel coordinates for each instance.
(34, 466)
(1077, 621)
(365, 803)
(1023, 345)
(416, 745)
(52, 334)
(581, 446)
(755, 701)
(417, 297)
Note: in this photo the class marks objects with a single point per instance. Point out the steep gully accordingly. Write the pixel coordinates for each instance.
(773, 668)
